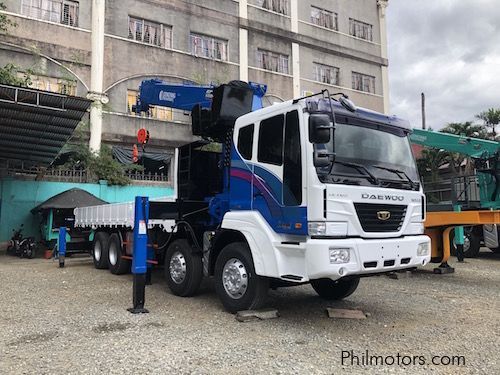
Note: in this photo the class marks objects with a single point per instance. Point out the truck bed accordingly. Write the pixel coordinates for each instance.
(116, 215)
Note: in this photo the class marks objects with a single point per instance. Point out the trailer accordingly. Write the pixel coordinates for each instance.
(312, 190)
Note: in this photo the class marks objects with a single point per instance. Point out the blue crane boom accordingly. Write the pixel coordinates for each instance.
(184, 96)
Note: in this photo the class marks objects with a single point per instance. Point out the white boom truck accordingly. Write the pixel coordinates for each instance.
(311, 190)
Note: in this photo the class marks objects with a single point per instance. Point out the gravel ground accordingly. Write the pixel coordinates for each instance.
(74, 320)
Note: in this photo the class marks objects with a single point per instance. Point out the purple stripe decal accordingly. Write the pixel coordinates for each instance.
(261, 186)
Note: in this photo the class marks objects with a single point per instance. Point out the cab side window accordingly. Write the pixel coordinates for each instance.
(292, 168)
(270, 148)
(245, 141)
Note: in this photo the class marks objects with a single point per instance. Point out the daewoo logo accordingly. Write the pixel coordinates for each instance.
(398, 198)
(383, 215)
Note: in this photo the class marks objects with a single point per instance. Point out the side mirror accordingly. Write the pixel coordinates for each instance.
(320, 128)
(322, 158)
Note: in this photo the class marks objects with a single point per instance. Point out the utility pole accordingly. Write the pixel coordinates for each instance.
(423, 111)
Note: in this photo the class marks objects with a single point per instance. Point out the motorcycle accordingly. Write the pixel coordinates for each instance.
(21, 247)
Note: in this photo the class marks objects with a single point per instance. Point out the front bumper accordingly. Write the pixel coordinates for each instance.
(367, 256)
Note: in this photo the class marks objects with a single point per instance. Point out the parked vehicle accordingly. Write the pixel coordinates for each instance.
(21, 247)
(480, 191)
(312, 190)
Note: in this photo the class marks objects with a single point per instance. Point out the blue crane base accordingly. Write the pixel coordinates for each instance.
(140, 254)
(139, 294)
(61, 246)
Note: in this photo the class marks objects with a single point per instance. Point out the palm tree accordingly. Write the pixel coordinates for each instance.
(467, 129)
(430, 161)
(491, 119)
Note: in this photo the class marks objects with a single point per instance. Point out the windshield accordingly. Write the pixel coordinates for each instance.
(370, 156)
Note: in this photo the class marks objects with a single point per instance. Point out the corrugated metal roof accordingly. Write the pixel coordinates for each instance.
(35, 125)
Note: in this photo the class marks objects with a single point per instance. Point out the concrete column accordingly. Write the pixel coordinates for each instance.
(244, 55)
(243, 13)
(296, 69)
(294, 14)
(382, 5)
(97, 74)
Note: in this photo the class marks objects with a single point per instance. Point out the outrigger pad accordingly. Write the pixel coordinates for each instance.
(140, 310)
(444, 268)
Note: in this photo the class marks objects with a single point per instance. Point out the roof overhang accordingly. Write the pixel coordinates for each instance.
(35, 125)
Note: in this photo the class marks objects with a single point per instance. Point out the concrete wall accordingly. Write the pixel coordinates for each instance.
(18, 197)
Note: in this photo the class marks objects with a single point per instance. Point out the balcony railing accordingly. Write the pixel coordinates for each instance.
(76, 175)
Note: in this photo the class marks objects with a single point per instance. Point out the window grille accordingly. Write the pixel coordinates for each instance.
(324, 18)
(326, 74)
(360, 29)
(207, 46)
(149, 32)
(274, 62)
(363, 82)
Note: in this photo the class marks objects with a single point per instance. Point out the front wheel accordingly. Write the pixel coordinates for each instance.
(236, 283)
(183, 268)
(335, 290)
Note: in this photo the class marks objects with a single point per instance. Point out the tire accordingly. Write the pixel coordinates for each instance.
(236, 260)
(335, 290)
(100, 250)
(117, 265)
(183, 268)
(472, 243)
(496, 250)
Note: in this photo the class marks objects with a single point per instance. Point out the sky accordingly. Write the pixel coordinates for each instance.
(448, 49)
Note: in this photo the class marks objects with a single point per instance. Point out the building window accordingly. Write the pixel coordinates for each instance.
(278, 6)
(363, 82)
(207, 46)
(156, 112)
(60, 11)
(274, 62)
(52, 84)
(360, 29)
(149, 32)
(326, 74)
(324, 18)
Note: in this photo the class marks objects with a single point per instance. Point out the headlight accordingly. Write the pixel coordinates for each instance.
(322, 228)
(423, 249)
(339, 255)
(317, 228)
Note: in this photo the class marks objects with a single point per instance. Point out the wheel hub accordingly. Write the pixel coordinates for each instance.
(235, 278)
(113, 254)
(177, 267)
(97, 251)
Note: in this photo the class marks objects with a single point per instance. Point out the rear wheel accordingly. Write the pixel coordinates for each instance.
(100, 250)
(335, 290)
(183, 268)
(472, 243)
(117, 265)
(236, 283)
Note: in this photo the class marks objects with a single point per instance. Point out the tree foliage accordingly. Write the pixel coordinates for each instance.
(5, 22)
(9, 75)
(491, 119)
(101, 166)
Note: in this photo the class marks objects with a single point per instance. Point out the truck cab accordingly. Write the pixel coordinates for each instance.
(323, 194)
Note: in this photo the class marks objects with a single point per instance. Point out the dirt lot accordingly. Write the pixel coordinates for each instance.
(74, 320)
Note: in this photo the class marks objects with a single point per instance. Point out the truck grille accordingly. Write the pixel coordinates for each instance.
(370, 222)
